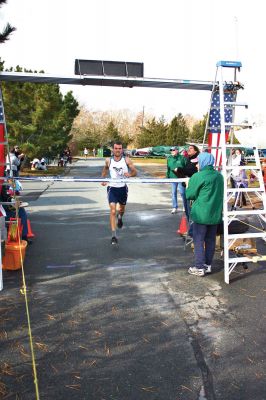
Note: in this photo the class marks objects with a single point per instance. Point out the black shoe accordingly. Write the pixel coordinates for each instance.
(114, 240)
(119, 223)
(29, 241)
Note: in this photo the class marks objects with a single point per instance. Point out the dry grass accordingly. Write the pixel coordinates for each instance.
(51, 170)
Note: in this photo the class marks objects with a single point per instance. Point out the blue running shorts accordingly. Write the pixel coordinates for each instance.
(117, 194)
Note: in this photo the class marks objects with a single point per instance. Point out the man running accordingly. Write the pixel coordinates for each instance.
(118, 167)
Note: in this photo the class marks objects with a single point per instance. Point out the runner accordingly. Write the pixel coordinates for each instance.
(118, 166)
(85, 152)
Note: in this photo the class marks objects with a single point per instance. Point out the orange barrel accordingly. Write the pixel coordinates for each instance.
(12, 257)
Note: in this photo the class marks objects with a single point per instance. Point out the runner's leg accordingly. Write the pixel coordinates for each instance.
(121, 210)
(113, 216)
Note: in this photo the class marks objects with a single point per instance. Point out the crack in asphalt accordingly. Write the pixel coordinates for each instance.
(207, 392)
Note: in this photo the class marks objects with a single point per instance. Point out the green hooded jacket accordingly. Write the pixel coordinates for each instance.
(206, 189)
(173, 162)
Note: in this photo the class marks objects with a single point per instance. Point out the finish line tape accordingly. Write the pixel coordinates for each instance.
(73, 179)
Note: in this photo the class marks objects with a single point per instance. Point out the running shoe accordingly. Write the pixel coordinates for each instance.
(114, 240)
(196, 271)
(119, 222)
(174, 211)
(208, 268)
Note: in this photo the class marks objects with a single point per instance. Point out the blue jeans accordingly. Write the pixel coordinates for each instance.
(182, 191)
(204, 234)
(24, 219)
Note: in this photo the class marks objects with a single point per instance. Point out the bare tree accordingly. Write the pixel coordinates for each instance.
(8, 29)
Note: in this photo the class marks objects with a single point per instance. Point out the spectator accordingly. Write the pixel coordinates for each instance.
(263, 167)
(206, 190)
(67, 155)
(35, 163)
(174, 161)
(13, 162)
(238, 177)
(20, 156)
(191, 167)
(43, 165)
(8, 194)
(187, 171)
(61, 159)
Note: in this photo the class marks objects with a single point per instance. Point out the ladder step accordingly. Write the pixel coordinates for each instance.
(231, 124)
(253, 259)
(243, 167)
(239, 146)
(244, 125)
(246, 212)
(4, 143)
(246, 235)
(4, 163)
(237, 190)
(230, 64)
(235, 104)
(228, 104)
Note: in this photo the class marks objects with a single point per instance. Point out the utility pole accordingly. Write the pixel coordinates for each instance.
(142, 121)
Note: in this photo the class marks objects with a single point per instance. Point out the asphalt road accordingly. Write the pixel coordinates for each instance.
(126, 323)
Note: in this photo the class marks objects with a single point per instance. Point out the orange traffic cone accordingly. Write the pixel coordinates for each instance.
(30, 233)
(182, 230)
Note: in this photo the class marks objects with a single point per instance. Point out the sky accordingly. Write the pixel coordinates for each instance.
(176, 39)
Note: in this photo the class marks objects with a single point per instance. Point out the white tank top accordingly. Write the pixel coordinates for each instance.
(117, 170)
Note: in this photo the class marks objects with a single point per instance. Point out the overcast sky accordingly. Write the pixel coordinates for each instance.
(179, 39)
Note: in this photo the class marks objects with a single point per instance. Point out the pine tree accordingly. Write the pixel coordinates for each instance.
(198, 130)
(178, 131)
(7, 30)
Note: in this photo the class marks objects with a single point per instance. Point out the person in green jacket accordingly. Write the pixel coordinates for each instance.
(176, 160)
(206, 190)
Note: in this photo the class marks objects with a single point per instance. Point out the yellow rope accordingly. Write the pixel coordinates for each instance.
(23, 291)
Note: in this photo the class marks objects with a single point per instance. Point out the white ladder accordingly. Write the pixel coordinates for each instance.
(226, 127)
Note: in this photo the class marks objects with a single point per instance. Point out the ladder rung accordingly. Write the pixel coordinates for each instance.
(246, 235)
(236, 190)
(239, 146)
(238, 124)
(246, 212)
(230, 124)
(254, 259)
(243, 167)
(235, 104)
(4, 143)
(229, 105)
(4, 163)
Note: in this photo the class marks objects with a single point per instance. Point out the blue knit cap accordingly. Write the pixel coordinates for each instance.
(205, 159)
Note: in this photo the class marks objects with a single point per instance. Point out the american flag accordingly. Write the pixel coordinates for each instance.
(2, 139)
(215, 122)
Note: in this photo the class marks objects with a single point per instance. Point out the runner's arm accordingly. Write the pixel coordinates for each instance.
(105, 171)
(132, 168)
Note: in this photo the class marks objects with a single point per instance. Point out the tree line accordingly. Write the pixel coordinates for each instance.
(97, 129)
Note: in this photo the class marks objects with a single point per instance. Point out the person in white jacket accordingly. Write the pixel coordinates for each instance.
(12, 163)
